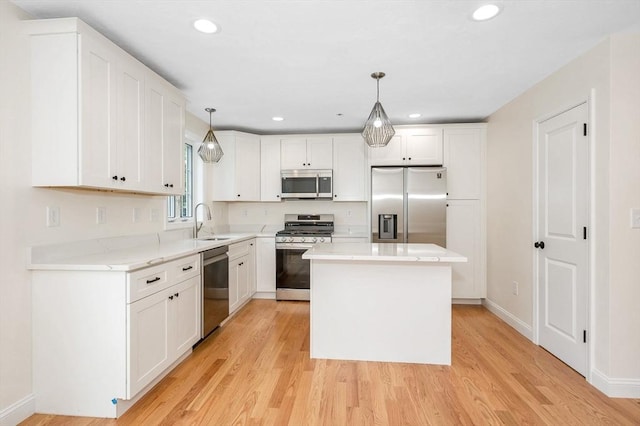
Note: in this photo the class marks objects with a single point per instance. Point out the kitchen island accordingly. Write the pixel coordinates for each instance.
(381, 302)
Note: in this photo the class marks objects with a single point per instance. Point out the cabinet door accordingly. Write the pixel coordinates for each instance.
(423, 147)
(270, 185)
(98, 82)
(266, 265)
(130, 147)
(172, 144)
(222, 173)
(247, 167)
(251, 266)
(320, 153)
(390, 155)
(154, 111)
(244, 274)
(349, 168)
(293, 153)
(234, 269)
(464, 236)
(149, 333)
(185, 307)
(463, 158)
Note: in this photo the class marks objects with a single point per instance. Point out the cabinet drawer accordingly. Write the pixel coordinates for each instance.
(147, 281)
(239, 249)
(185, 268)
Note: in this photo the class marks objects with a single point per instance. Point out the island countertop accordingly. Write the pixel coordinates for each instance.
(384, 252)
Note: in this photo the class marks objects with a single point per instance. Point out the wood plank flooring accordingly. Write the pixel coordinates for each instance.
(256, 370)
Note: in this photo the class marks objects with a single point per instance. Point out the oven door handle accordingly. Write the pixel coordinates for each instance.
(293, 247)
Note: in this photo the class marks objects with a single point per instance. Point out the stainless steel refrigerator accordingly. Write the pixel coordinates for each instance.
(409, 205)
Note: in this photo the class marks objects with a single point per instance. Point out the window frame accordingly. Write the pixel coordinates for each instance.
(197, 190)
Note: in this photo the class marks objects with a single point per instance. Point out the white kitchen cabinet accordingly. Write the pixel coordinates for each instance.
(465, 235)
(266, 267)
(88, 101)
(464, 157)
(122, 331)
(236, 177)
(306, 152)
(164, 112)
(241, 273)
(349, 168)
(411, 146)
(270, 183)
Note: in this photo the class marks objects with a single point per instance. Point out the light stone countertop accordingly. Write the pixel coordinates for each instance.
(95, 255)
(385, 252)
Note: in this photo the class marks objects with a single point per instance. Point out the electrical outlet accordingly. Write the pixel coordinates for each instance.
(514, 288)
(101, 215)
(53, 216)
(635, 218)
(137, 214)
(348, 212)
(244, 212)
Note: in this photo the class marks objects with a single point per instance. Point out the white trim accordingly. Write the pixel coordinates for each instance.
(615, 387)
(466, 301)
(18, 411)
(506, 316)
(271, 295)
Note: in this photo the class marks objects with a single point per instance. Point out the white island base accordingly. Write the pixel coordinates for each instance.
(389, 302)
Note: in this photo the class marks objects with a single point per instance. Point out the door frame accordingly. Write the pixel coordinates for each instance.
(590, 101)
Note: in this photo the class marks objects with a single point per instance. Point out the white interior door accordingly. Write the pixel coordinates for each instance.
(562, 247)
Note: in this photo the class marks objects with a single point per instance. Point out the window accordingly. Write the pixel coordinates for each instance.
(180, 207)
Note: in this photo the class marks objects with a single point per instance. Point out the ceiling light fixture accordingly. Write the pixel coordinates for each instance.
(277, 119)
(210, 150)
(378, 130)
(486, 12)
(415, 115)
(205, 26)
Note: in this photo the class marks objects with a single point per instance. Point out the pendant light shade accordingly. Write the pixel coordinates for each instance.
(378, 130)
(210, 150)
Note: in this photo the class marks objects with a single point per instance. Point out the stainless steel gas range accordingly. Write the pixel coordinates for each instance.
(300, 233)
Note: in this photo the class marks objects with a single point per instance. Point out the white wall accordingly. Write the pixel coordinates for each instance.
(612, 73)
(23, 218)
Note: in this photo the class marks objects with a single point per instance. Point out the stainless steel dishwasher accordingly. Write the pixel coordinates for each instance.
(215, 288)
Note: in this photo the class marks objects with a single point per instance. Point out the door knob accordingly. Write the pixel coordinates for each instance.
(539, 244)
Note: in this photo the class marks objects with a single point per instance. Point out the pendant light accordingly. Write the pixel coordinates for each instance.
(210, 150)
(378, 130)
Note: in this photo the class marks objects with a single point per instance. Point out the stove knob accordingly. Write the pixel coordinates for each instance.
(290, 239)
(314, 240)
(322, 239)
(302, 240)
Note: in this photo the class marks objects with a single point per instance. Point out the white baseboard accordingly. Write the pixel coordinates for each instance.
(506, 316)
(265, 295)
(466, 301)
(615, 387)
(18, 411)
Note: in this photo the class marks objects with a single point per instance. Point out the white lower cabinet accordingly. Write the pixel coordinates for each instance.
(266, 267)
(466, 237)
(101, 337)
(241, 273)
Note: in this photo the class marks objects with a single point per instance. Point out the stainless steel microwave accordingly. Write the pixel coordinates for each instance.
(307, 184)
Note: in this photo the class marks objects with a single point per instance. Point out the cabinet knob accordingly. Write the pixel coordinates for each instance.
(404, 158)
(166, 185)
(335, 195)
(238, 195)
(278, 196)
(177, 295)
(170, 185)
(170, 297)
(123, 178)
(114, 177)
(409, 158)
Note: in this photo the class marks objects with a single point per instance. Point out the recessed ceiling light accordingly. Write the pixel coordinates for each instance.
(415, 115)
(485, 12)
(205, 26)
(277, 119)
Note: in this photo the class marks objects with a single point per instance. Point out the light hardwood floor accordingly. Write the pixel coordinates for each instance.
(256, 370)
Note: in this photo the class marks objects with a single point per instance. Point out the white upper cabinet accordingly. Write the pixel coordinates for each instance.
(349, 168)
(236, 177)
(90, 124)
(464, 153)
(270, 185)
(306, 152)
(410, 146)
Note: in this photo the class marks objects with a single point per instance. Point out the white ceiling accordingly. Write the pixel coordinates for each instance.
(309, 61)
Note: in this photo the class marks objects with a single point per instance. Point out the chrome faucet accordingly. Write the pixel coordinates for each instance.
(197, 228)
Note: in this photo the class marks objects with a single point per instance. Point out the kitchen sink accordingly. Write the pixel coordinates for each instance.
(213, 238)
